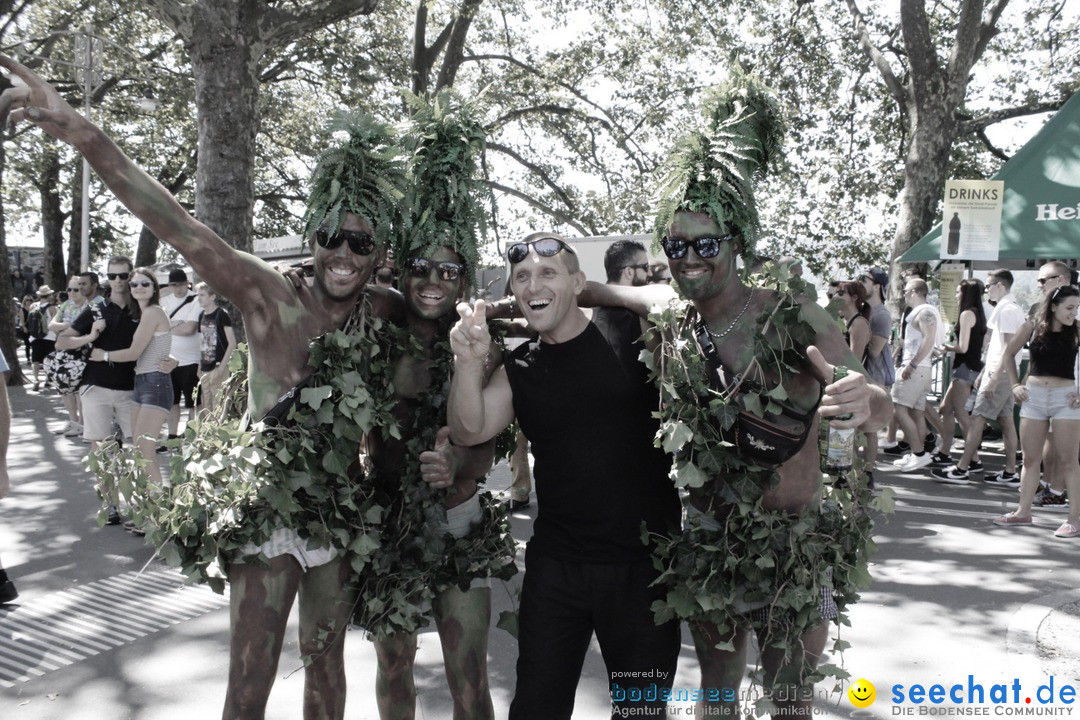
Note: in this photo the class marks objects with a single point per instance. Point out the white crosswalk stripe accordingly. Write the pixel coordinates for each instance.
(66, 627)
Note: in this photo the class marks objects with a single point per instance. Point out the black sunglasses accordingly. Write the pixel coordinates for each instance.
(545, 247)
(118, 276)
(421, 268)
(71, 290)
(141, 283)
(361, 243)
(706, 246)
(1043, 281)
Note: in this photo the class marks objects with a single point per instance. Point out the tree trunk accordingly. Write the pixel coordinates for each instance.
(225, 66)
(52, 219)
(146, 252)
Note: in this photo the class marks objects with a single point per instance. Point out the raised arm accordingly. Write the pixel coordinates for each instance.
(640, 300)
(475, 412)
(217, 263)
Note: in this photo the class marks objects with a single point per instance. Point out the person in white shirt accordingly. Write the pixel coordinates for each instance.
(924, 332)
(182, 307)
(995, 399)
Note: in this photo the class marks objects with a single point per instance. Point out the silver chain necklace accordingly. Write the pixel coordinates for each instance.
(717, 336)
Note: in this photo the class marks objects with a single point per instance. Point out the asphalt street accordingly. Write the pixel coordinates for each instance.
(103, 630)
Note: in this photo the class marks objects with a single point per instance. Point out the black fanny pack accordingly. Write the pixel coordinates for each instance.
(768, 439)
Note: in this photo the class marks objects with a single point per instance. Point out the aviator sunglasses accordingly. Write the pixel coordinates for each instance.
(544, 247)
(141, 284)
(706, 246)
(361, 243)
(421, 268)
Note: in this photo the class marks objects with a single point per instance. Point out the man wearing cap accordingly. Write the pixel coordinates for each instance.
(179, 304)
(588, 414)
(879, 359)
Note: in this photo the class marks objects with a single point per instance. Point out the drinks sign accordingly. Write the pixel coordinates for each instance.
(971, 229)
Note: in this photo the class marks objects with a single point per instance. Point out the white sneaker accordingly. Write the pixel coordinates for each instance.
(918, 462)
(74, 430)
(903, 462)
(64, 430)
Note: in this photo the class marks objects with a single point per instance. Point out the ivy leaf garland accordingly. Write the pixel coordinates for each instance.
(416, 560)
(760, 557)
(231, 485)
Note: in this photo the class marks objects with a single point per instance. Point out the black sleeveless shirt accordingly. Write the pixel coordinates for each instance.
(972, 359)
(587, 411)
(1054, 355)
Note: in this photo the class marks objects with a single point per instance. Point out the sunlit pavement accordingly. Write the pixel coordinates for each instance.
(102, 630)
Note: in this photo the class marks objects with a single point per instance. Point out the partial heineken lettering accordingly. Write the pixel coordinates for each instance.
(1055, 212)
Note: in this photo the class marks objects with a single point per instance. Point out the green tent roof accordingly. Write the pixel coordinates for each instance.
(1044, 173)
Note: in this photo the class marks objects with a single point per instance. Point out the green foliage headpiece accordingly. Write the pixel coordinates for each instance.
(448, 192)
(361, 172)
(713, 170)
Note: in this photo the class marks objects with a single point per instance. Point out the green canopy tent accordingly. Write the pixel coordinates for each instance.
(1040, 216)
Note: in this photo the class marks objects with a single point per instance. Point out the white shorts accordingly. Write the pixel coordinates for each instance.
(459, 520)
(911, 393)
(285, 541)
(100, 406)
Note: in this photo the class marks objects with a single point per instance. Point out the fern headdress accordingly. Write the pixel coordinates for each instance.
(364, 173)
(712, 170)
(447, 191)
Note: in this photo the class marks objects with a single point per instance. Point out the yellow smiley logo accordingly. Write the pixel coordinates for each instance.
(862, 693)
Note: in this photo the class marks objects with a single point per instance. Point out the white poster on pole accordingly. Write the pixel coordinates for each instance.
(971, 228)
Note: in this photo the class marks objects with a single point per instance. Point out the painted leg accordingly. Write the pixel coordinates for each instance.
(792, 696)
(463, 619)
(395, 688)
(326, 605)
(722, 669)
(259, 605)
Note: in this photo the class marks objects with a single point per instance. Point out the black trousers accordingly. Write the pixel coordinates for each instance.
(562, 604)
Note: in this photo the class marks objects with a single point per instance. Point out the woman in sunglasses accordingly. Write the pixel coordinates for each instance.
(149, 349)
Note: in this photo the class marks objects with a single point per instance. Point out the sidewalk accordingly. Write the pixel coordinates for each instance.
(953, 596)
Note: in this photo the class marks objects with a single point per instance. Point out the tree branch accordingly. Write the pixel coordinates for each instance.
(622, 138)
(990, 147)
(988, 30)
(280, 27)
(455, 47)
(895, 87)
(534, 168)
(980, 122)
(547, 210)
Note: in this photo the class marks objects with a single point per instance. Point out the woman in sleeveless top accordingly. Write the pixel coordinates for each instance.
(153, 396)
(856, 311)
(967, 348)
(1051, 392)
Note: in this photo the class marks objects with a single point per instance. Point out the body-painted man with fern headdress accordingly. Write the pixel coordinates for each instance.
(442, 539)
(745, 374)
(356, 188)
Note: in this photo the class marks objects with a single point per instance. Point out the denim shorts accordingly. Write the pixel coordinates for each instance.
(153, 389)
(963, 373)
(1050, 403)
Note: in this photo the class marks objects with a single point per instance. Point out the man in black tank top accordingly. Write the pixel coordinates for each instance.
(586, 407)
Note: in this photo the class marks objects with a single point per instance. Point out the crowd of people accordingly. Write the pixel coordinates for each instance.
(675, 437)
(983, 348)
(114, 360)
